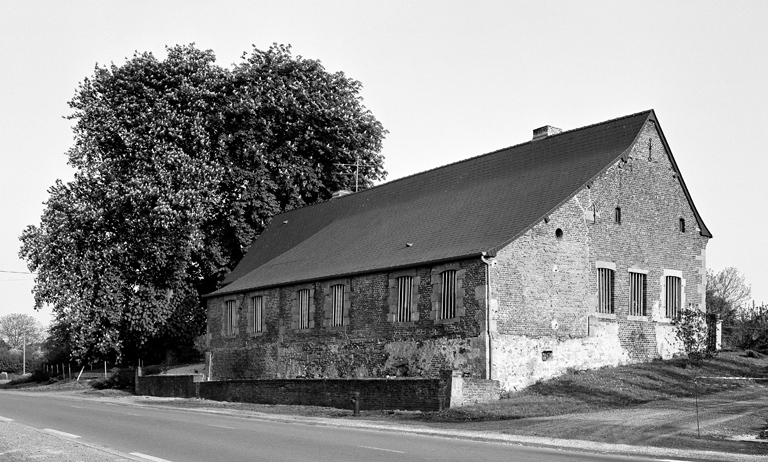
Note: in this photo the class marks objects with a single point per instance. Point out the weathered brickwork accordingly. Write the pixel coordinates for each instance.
(545, 285)
(542, 317)
(371, 345)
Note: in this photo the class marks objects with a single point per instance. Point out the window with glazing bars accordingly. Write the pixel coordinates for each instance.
(604, 290)
(303, 297)
(448, 294)
(230, 319)
(674, 297)
(637, 289)
(337, 305)
(257, 313)
(404, 287)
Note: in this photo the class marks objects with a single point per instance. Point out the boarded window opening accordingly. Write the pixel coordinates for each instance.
(674, 295)
(303, 298)
(637, 291)
(404, 287)
(604, 290)
(448, 294)
(337, 305)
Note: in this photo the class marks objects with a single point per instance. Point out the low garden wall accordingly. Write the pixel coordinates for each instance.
(375, 394)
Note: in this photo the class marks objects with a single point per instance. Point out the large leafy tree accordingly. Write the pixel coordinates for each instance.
(180, 164)
(18, 329)
(727, 295)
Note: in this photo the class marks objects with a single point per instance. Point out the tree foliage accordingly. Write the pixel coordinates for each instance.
(727, 293)
(180, 164)
(691, 330)
(16, 329)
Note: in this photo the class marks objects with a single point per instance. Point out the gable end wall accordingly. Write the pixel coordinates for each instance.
(544, 289)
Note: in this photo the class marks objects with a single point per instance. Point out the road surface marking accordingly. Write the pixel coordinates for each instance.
(222, 426)
(135, 415)
(64, 434)
(146, 457)
(673, 460)
(77, 407)
(382, 449)
(5, 419)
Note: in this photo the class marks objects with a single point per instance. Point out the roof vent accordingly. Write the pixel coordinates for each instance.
(545, 131)
(339, 193)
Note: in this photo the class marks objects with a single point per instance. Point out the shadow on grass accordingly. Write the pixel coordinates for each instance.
(614, 388)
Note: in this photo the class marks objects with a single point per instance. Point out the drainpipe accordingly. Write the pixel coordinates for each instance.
(488, 348)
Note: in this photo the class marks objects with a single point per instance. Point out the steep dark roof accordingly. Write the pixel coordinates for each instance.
(469, 208)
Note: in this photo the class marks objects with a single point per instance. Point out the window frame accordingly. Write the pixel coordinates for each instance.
(638, 291)
(229, 317)
(256, 318)
(673, 295)
(451, 293)
(606, 273)
(330, 307)
(404, 298)
(303, 321)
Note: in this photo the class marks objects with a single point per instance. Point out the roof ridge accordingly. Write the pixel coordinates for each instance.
(469, 159)
(499, 150)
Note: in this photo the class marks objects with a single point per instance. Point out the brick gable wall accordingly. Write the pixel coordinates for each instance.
(545, 288)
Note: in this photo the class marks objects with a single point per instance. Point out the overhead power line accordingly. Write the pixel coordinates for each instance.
(16, 272)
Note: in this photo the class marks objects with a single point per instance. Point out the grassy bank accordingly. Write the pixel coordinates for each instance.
(618, 387)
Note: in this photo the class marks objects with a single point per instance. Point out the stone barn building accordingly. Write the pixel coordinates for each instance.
(573, 250)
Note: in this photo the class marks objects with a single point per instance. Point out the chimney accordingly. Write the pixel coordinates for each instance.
(545, 131)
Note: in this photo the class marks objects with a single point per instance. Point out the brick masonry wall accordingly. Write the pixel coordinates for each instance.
(369, 346)
(169, 386)
(375, 394)
(544, 288)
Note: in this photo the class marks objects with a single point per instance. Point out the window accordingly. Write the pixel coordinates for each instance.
(682, 225)
(637, 289)
(303, 308)
(605, 290)
(229, 318)
(337, 305)
(617, 215)
(404, 292)
(256, 314)
(674, 295)
(303, 301)
(448, 294)
(403, 298)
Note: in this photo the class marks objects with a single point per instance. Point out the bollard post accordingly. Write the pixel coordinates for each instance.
(356, 403)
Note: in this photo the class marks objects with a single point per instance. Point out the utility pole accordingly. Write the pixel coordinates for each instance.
(24, 354)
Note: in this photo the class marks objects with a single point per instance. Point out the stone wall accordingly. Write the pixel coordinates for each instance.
(544, 317)
(415, 394)
(370, 345)
(170, 386)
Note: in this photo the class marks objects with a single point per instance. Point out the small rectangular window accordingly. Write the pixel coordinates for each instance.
(637, 289)
(674, 295)
(337, 305)
(617, 215)
(230, 317)
(448, 294)
(404, 287)
(257, 314)
(682, 225)
(604, 290)
(303, 299)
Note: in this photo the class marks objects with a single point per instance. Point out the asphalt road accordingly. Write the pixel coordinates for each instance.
(178, 435)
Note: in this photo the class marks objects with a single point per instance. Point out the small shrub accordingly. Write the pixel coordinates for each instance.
(118, 378)
(691, 330)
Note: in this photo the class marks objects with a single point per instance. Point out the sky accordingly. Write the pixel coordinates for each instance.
(448, 79)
